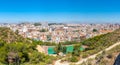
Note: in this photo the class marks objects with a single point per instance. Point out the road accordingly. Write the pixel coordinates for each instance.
(85, 59)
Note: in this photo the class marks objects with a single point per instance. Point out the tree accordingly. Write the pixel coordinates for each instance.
(64, 50)
(95, 30)
(58, 48)
(17, 32)
(37, 24)
(43, 30)
(76, 50)
(13, 57)
(36, 58)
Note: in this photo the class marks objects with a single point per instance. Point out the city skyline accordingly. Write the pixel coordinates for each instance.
(60, 11)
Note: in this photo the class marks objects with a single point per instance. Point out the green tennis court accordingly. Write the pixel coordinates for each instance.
(51, 50)
(69, 49)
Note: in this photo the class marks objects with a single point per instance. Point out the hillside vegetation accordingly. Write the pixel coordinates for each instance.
(106, 58)
(8, 36)
(101, 42)
(16, 50)
(94, 45)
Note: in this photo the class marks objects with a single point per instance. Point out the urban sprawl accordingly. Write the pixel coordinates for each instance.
(53, 32)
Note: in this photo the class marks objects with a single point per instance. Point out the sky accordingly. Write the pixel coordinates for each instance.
(60, 11)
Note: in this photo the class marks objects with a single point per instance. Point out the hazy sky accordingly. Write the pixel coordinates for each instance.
(73, 11)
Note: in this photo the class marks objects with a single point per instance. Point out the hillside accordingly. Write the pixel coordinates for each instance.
(94, 45)
(105, 58)
(101, 42)
(16, 50)
(8, 36)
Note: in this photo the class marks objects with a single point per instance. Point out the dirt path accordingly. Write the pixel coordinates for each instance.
(85, 59)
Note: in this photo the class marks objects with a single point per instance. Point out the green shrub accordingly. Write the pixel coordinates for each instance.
(73, 59)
